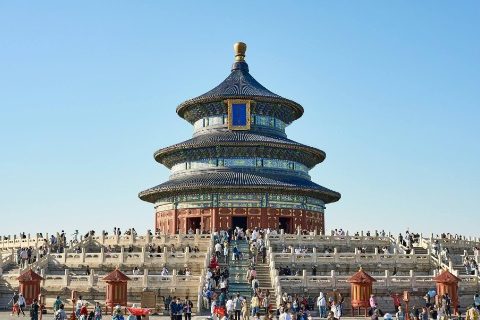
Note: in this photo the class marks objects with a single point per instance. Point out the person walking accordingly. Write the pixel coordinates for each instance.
(21, 304)
(237, 305)
(60, 314)
(56, 304)
(97, 311)
(336, 309)
(14, 302)
(255, 304)
(400, 315)
(178, 310)
(173, 308)
(322, 305)
(34, 310)
(187, 308)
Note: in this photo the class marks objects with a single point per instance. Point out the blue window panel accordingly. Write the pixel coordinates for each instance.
(239, 114)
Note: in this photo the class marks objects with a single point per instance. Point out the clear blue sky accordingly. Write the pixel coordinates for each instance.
(391, 91)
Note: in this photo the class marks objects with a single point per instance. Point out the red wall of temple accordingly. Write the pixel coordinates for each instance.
(209, 219)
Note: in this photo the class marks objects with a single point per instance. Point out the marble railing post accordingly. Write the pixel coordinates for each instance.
(314, 255)
(142, 257)
(121, 256)
(197, 238)
(412, 279)
(174, 278)
(304, 278)
(292, 252)
(429, 254)
(164, 255)
(91, 278)
(82, 255)
(187, 254)
(335, 254)
(271, 260)
(387, 279)
(65, 278)
(102, 255)
(145, 278)
(333, 279)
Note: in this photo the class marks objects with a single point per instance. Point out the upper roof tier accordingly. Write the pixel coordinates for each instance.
(239, 85)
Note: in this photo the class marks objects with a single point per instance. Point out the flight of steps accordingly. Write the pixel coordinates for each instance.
(238, 271)
(263, 276)
(6, 293)
(238, 282)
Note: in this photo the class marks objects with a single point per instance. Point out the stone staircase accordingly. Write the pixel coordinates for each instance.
(238, 282)
(238, 271)
(263, 276)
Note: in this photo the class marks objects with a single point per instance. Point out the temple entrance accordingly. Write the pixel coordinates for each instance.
(240, 222)
(194, 223)
(285, 224)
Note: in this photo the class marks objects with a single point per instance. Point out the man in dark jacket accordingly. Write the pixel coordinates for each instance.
(173, 309)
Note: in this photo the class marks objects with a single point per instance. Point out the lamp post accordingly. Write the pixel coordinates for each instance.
(74, 299)
(406, 298)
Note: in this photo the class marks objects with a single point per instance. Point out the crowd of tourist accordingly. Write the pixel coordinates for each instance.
(226, 303)
(217, 295)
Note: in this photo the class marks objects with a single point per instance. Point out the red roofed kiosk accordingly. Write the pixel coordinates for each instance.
(447, 282)
(116, 290)
(361, 289)
(29, 285)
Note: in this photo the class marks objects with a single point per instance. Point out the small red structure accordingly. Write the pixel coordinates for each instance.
(29, 285)
(448, 283)
(361, 289)
(116, 290)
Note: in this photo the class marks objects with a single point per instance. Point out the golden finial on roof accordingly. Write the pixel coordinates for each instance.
(240, 48)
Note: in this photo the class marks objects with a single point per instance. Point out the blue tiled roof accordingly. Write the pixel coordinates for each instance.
(237, 138)
(231, 180)
(240, 84)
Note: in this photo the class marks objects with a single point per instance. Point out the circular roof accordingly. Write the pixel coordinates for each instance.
(237, 180)
(240, 85)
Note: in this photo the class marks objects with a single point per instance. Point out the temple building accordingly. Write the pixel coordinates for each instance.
(239, 169)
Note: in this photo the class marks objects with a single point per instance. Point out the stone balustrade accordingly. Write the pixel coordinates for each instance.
(94, 260)
(335, 282)
(5, 259)
(163, 240)
(349, 258)
(84, 282)
(14, 242)
(346, 240)
(451, 243)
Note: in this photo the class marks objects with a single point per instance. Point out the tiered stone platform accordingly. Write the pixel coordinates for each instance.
(336, 258)
(394, 271)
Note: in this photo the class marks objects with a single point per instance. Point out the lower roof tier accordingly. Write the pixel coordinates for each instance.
(241, 143)
(239, 181)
